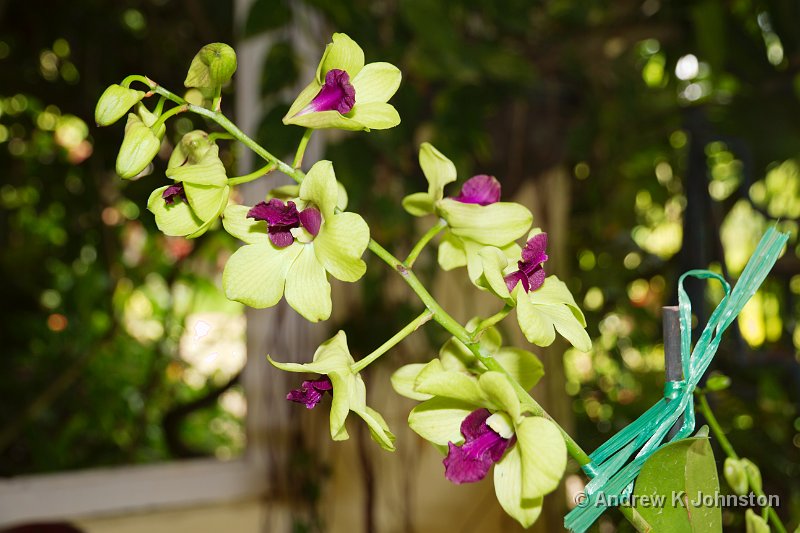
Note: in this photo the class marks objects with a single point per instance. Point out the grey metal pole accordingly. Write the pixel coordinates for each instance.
(673, 367)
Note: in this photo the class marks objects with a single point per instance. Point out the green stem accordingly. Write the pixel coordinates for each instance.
(167, 115)
(424, 240)
(159, 107)
(263, 171)
(727, 447)
(459, 332)
(301, 148)
(238, 134)
(216, 102)
(136, 77)
(410, 328)
(214, 135)
(486, 323)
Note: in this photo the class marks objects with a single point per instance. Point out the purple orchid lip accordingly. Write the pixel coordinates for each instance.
(173, 193)
(338, 94)
(282, 218)
(481, 189)
(483, 447)
(531, 273)
(310, 392)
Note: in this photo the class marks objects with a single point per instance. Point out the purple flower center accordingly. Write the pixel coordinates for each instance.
(531, 273)
(481, 190)
(338, 94)
(310, 392)
(282, 218)
(173, 193)
(482, 448)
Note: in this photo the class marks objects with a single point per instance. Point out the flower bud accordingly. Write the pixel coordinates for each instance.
(115, 101)
(753, 474)
(139, 146)
(191, 149)
(212, 66)
(735, 475)
(754, 523)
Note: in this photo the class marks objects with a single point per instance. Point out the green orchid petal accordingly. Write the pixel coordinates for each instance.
(307, 289)
(544, 456)
(341, 241)
(176, 220)
(438, 420)
(375, 115)
(455, 357)
(319, 188)
(474, 264)
(435, 380)
(191, 149)
(249, 230)
(343, 54)
(548, 308)
(493, 262)
(490, 339)
(303, 99)
(496, 224)
(325, 119)
(500, 392)
(452, 253)
(115, 101)
(438, 170)
(343, 389)
(333, 355)
(418, 204)
(292, 191)
(508, 488)
(255, 274)
(403, 380)
(376, 82)
(521, 364)
(139, 147)
(208, 170)
(378, 428)
(205, 200)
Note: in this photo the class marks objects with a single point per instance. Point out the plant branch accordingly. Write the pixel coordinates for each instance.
(410, 328)
(486, 323)
(424, 240)
(263, 171)
(301, 148)
(727, 447)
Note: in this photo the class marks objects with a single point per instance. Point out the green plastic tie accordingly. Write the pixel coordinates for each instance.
(613, 466)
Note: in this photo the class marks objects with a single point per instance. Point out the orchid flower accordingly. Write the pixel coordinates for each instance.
(475, 217)
(333, 361)
(292, 246)
(347, 94)
(200, 192)
(543, 303)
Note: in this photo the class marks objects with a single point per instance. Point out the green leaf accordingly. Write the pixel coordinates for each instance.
(678, 472)
(544, 456)
(307, 289)
(340, 244)
(438, 420)
(255, 274)
(115, 101)
(508, 488)
(249, 230)
(403, 380)
(754, 523)
(376, 82)
(343, 54)
(496, 224)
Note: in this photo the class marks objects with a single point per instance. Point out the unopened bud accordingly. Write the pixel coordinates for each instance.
(735, 475)
(191, 149)
(212, 66)
(139, 146)
(115, 101)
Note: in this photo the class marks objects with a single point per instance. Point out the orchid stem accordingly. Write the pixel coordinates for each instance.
(424, 240)
(301, 148)
(486, 323)
(234, 130)
(136, 77)
(410, 328)
(167, 115)
(214, 135)
(263, 171)
(727, 447)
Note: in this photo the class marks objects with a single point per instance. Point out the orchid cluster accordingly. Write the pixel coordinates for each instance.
(475, 403)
